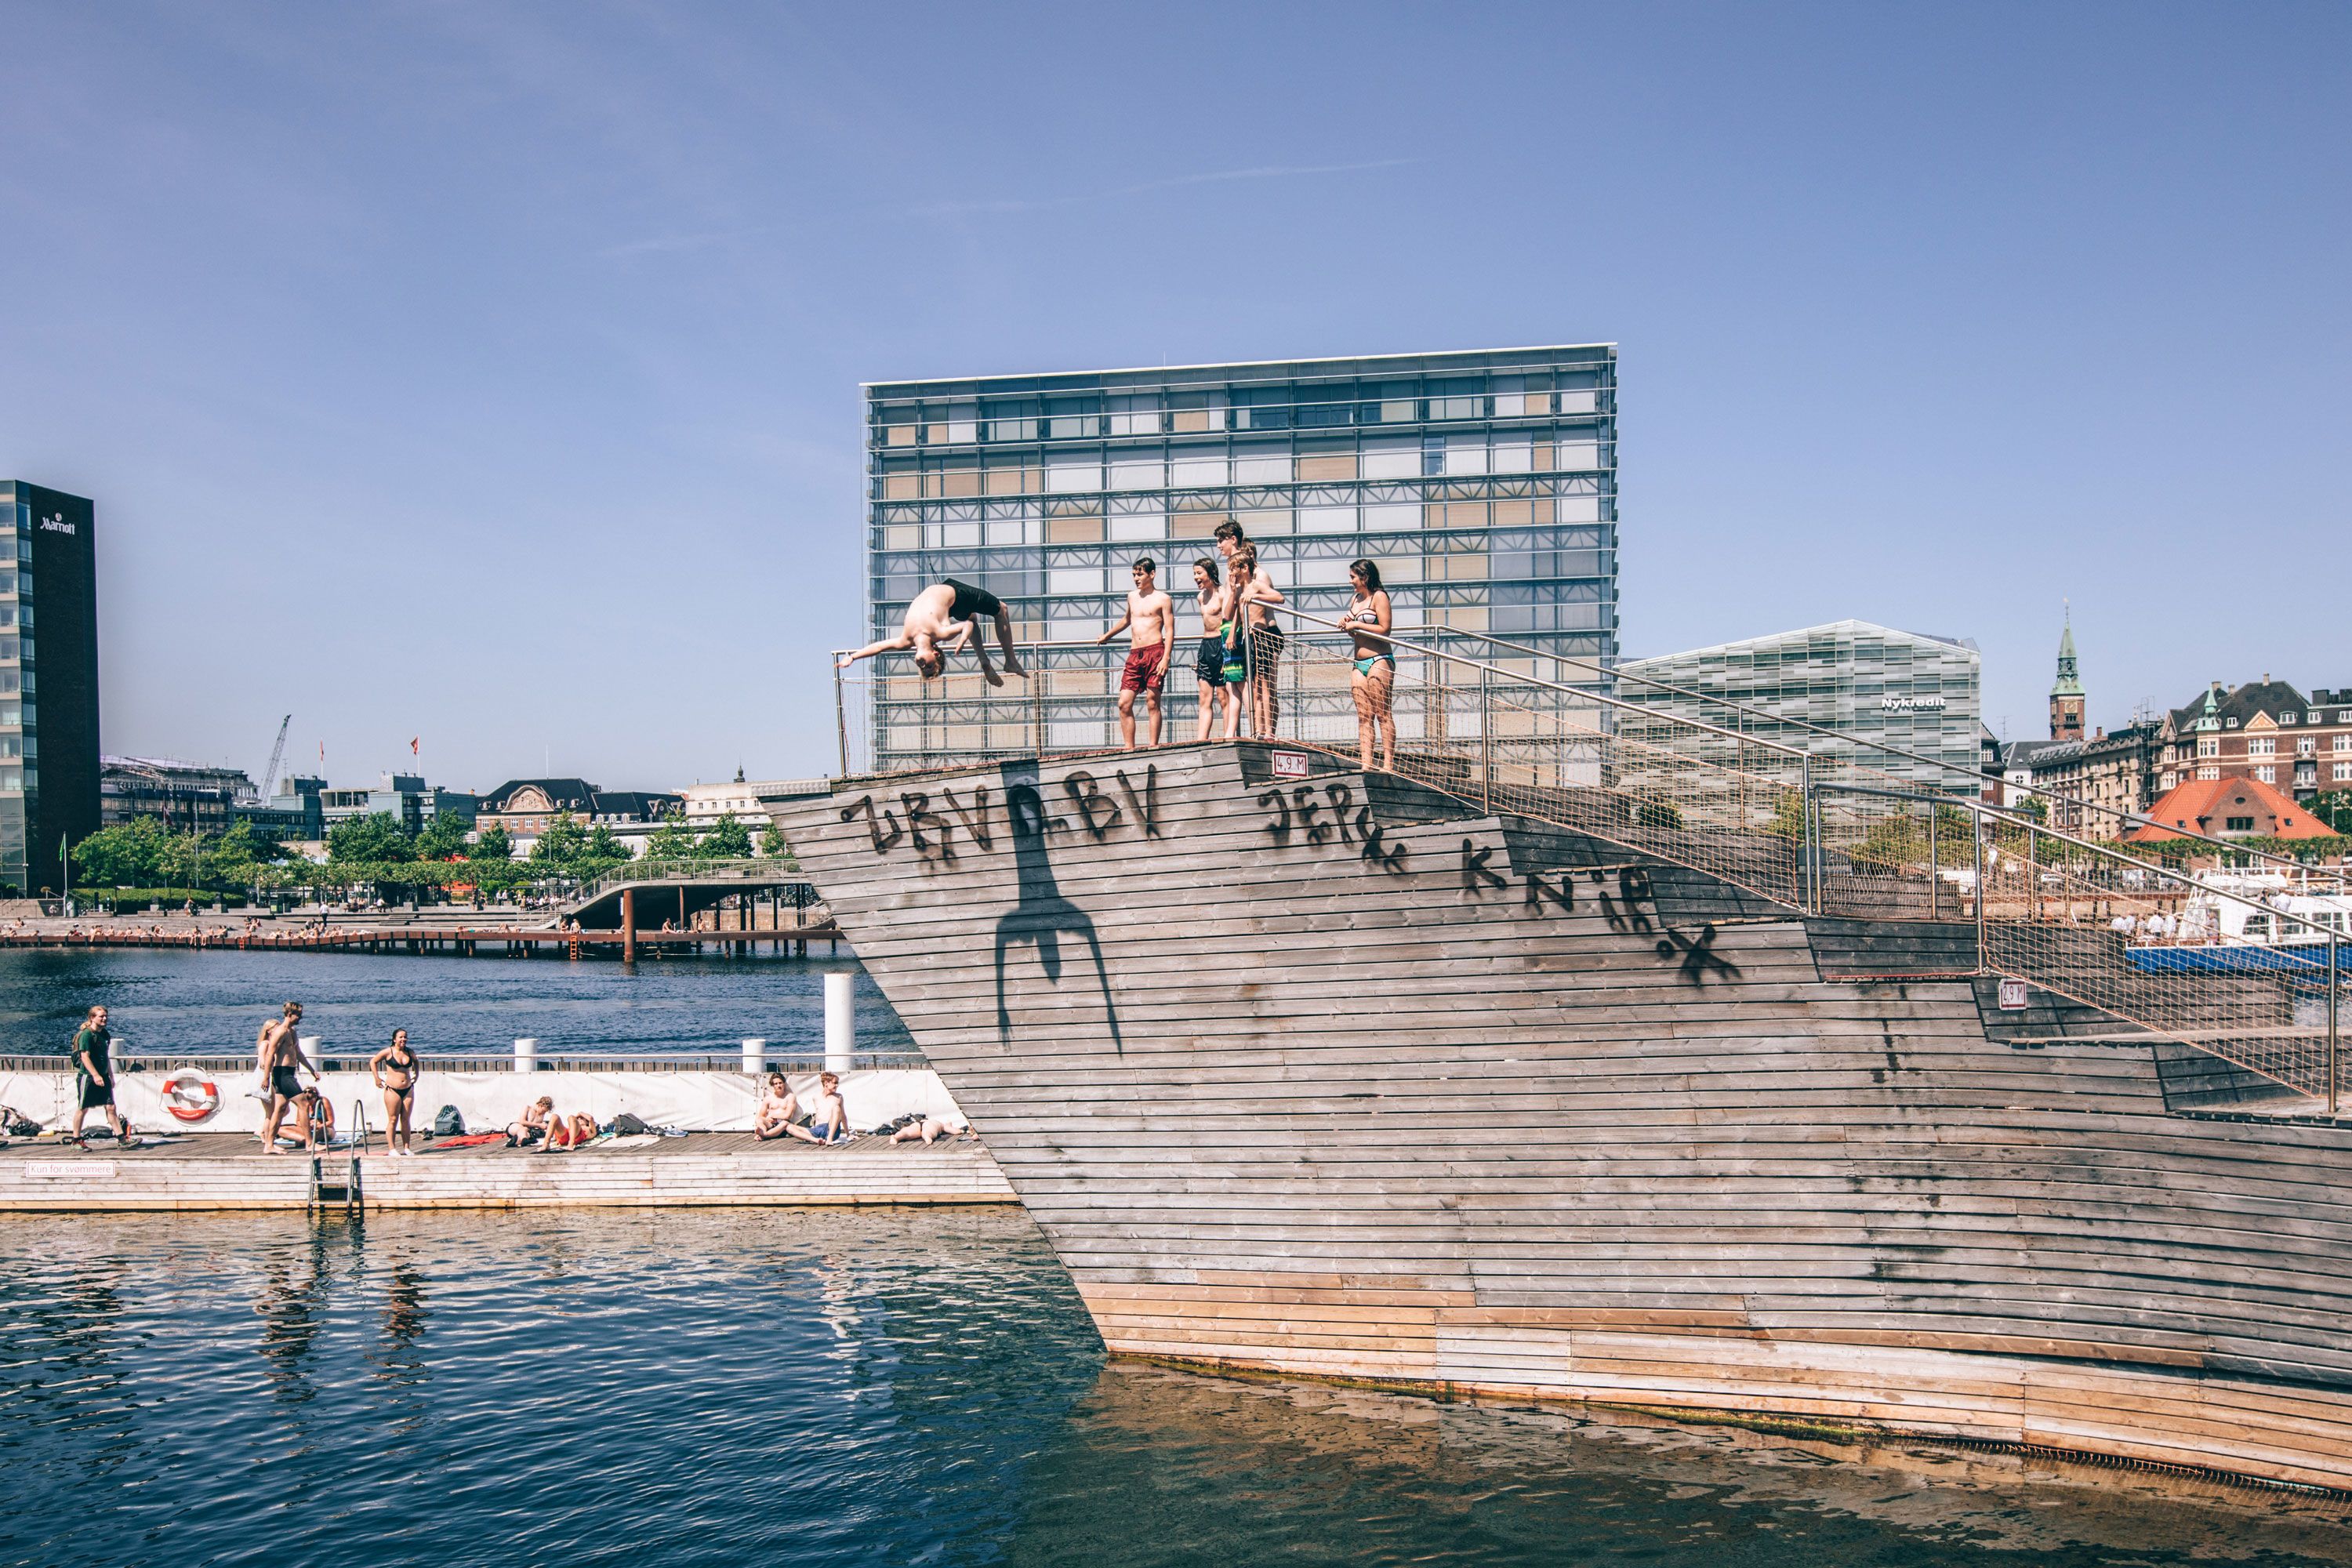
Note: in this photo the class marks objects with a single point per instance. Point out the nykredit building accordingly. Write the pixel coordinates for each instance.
(1482, 483)
(48, 682)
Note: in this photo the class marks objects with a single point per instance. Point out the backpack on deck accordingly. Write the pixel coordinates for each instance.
(17, 1124)
(629, 1125)
(448, 1123)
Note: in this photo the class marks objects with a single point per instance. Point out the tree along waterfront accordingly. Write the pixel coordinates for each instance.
(378, 854)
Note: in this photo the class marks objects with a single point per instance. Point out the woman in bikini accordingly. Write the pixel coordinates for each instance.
(1209, 667)
(1369, 619)
(1253, 602)
(396, 1070)
(1235, 639)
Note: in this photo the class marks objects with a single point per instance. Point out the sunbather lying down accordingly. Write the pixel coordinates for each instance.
(571, 1131)
(927, 1131)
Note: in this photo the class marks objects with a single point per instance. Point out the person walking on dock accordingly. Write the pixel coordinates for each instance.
(1151, 627)
(280, 1054)
(939, 621)
(94, 1075)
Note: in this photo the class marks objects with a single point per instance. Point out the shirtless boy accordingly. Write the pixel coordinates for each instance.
(938, 622)
(779, 1108)
(1151, 627)
(279, 1051)
(1209, 667)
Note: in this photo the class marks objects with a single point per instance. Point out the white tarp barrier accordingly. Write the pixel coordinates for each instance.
(699, 1102)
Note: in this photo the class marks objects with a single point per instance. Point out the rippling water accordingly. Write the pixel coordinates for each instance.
(903, 1387)
(176, 1000)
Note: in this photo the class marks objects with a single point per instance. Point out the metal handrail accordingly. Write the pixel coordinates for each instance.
(2130, 819)
(1582, 693)
(1986, 812)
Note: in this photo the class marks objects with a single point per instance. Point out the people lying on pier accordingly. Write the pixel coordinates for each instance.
(534, 1126)
(571, 1131)
(1150, 623)
(1367, 619)
(395, 1070)
(926, 1130)
(779, 1108)
(1209, 665)
(280, 1050)
(939, 621)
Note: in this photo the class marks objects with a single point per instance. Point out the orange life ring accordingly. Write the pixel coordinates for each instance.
(190, 1096)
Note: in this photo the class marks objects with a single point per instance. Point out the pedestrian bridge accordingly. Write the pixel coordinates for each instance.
(742, 895)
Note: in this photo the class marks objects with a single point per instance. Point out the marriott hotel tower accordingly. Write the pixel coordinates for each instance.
(1485, 485)
(48, 682)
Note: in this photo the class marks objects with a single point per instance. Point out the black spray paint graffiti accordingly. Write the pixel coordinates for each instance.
(930, 834)
(1622, 909)
(1297, 811)
(1041, 916)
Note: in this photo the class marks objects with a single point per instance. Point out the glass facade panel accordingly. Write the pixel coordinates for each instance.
(1421, 463)
(1881, 687)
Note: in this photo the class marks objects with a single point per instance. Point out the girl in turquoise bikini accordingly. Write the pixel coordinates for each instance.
(1368, 619)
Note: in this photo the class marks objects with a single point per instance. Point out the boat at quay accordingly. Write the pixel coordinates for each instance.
(1575, 1059)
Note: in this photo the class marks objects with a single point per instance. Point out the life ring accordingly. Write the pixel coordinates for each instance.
(190, 1096)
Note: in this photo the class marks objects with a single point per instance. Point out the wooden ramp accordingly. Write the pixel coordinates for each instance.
(228, 1171)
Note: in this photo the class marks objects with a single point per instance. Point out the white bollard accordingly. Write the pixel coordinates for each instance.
(840, 1021)
(310, 1045)
(755, 1056)
(525, 1054)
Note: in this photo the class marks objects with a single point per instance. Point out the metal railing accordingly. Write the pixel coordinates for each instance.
(764, 873)
(1819, 834)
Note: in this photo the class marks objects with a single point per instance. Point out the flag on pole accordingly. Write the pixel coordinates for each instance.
(412, 745)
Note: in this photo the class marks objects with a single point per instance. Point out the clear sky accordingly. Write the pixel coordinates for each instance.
(488, 373)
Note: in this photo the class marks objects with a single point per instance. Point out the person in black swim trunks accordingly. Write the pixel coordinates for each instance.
(938, 622)
(280, 1054)
(396, 1070)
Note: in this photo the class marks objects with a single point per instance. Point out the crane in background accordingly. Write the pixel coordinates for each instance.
(277, 756)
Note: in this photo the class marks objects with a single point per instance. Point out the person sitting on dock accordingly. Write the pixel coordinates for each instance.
(280, 1053)
(534, 1126)
(829, 1122)
(313, 1116)
(779, 1108)
(939, 621)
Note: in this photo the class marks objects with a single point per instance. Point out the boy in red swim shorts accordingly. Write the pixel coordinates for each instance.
(1151, 627)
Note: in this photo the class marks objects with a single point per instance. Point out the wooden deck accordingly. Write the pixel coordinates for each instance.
(228, 1171)
(1306, 1071)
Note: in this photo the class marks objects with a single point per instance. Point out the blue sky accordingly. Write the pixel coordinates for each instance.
(489, 373)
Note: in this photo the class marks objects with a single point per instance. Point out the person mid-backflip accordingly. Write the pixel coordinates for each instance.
(938, 622)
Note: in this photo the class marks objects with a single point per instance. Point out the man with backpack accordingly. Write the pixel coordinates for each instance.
(94, 1077)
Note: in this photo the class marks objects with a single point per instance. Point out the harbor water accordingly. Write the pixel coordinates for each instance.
(869, 1387)
(827, 1386)
(165, 1000)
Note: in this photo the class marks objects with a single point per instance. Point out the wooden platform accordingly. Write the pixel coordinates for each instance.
(1306, 1071)
(228, 1171)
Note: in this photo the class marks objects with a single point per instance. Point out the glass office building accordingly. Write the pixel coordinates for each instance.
(1881, 687)
(1484, 483)
(48, 703)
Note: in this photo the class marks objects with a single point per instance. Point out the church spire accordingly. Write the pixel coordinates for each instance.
(2069, 683)
(2066, 694)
